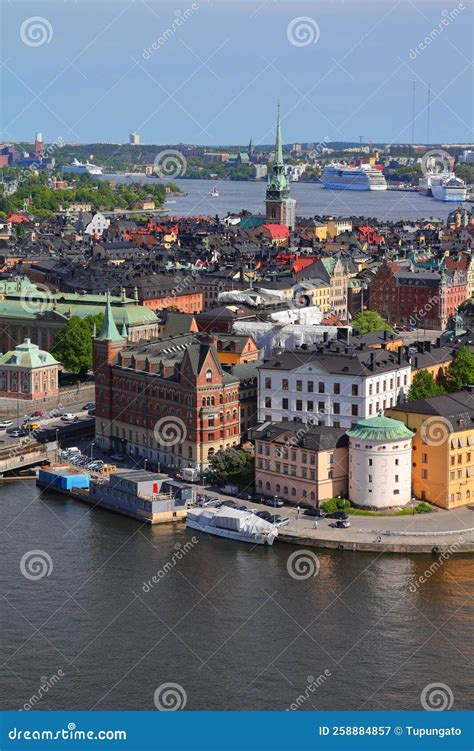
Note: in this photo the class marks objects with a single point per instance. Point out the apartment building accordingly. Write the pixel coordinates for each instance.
(330, 385)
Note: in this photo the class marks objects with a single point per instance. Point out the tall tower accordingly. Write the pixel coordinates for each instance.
(279, 207)
(39, 145)
(106, 347)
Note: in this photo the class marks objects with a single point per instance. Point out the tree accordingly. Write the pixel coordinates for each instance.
(73, 345)
(423, 386)
(460, 370)
(370, 320)
(233, 466)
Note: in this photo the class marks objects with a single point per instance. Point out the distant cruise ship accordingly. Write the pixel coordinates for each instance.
(448, 187)
(343, 177)
(80, 168)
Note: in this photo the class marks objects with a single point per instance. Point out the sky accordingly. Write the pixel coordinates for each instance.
(212, 71)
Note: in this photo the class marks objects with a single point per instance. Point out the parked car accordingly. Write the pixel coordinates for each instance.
(91, 412)
(69, 417)
(17, 433)
(279, 521)
(89, 405)
(266, 515)
(338, 515)
(319, 512)
(340, 524)
(30, 426)
(37, 413)
(209, 501)
(4, 424)
(117, 457)
(275, 502)
(245, 496)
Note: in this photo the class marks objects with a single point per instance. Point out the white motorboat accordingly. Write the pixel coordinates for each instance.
(215, 192)
(233, 524)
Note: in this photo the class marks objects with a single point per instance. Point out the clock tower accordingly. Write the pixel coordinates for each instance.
(280, 208)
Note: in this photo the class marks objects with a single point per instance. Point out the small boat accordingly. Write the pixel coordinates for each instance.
(233, 524)
(215, 192)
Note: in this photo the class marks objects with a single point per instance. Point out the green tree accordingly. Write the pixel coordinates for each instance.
(461, 370)
(233, 466)
(370, 320)
(73, 345)
(423, 386)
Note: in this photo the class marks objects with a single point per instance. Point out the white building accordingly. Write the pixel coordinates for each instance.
(332, 385)
(134, 139)
(97, 224)
(380, 463)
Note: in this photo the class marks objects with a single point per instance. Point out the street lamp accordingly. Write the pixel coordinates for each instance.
(92, 450)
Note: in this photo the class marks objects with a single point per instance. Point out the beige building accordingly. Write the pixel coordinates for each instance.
(302, 463)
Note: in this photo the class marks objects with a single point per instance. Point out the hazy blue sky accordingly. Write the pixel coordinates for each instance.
(216, 74)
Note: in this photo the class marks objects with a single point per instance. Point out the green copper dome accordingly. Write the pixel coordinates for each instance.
(380, 428)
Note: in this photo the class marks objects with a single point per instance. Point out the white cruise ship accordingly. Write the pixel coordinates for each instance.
(338, 176)
(82, 168)
(233, 524)
(447, 187)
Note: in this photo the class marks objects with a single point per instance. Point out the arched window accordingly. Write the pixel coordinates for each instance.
(267, 486)
(293, 491)
(285, 490)
(312, 495)
(209, 375)
(277, 488)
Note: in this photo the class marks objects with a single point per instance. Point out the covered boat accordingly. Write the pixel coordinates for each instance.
(233, 524)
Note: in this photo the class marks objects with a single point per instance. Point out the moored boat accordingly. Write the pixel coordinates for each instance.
(232, 524)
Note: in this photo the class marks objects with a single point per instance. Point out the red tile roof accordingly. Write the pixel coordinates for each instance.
(276, 230)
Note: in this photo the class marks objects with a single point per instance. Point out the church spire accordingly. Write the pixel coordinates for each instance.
(109, 331)
(278, 144)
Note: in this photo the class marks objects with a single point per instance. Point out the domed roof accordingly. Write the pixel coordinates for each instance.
(380, 428)
(28, 355)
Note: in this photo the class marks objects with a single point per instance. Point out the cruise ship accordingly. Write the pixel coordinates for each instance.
(448, 187)
(424, 184)
(338, 176)
(82, 168)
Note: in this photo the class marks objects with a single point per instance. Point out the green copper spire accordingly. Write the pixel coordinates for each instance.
(124, 331)
(278, 144)
(109, 331)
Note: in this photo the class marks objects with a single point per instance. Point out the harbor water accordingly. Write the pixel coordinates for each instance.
(103, 611)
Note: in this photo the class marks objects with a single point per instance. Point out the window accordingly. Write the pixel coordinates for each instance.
(452, 475)
(370, 409)
(268, 383)
(209, 375)
(336, 424)
(355, 410)
(370, 462)
(268, 402)
(370, 389)
(337, 408)
(299, 405)
(452, 460)
(310, 406)
(424, 458)
(355, 390)
(320, 406)
(337, 388)
(299, 385)
(321, 387)
(397, 462)
(424, 474)
(284, 384)
(310, 387)
(284, 403)
(304, 458)
(370, 478)
(459, 458)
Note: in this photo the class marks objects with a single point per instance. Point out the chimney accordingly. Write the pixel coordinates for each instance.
(372, 360)
(400, 354)
(385, 334)
(428, 346)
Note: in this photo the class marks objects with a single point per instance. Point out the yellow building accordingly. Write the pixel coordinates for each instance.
(443, 447)
(311, 228)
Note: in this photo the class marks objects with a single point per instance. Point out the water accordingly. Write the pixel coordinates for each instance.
(312, 199)
(226, 622)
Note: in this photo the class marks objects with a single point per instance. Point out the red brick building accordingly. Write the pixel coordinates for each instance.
(427, 298)
(166, 401)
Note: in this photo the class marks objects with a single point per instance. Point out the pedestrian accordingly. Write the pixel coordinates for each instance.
(297, 511)
(315, 525)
